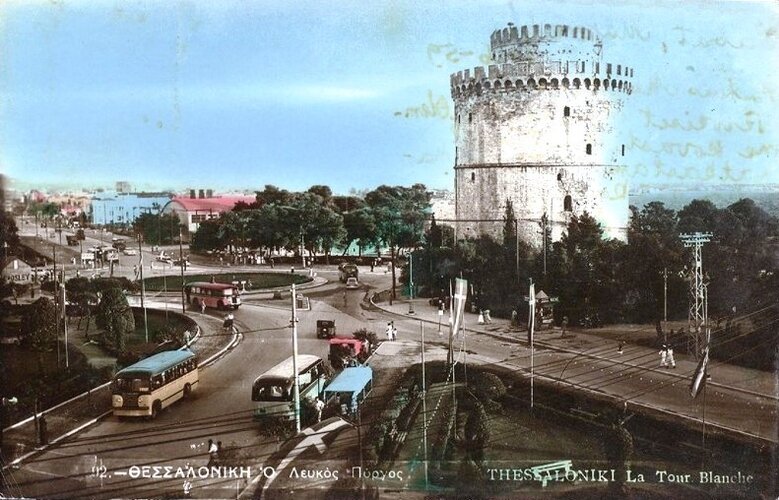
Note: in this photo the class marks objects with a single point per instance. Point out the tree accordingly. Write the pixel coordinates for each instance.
(39, 324)
(400, 215)
(158, 229)
(115, 317)
(360, 226)
(207, 237)
(273, 195)
(9, 238)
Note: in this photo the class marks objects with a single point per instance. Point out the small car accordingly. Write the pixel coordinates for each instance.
(325, 328)
(351, 283)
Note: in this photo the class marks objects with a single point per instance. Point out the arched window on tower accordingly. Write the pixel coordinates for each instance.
(473, 176)
(623, 150)
(567, 111)
(568, 203)
(588, 149)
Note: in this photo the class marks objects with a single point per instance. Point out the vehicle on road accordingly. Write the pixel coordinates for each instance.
(130, 251)
(72, 240)
(346, 271)
(163, 257)
(325, 328)
(118, 243)
(349, 389)
(345, 351)
(352, 283)
(273, 390)
(213, 295)
(154, 383)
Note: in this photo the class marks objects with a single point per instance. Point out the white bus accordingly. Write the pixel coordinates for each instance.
(272, 391)
(154, 383)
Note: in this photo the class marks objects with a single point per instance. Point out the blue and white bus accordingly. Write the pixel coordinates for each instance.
(154, 383)
(272, 391)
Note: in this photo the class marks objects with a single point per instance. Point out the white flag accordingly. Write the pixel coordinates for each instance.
(458, 304)
(699, 378)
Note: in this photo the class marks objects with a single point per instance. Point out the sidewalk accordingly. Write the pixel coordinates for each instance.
(83, 410)
(758, 389)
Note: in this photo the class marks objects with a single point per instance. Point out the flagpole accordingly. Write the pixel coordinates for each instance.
(424, 402)
(532, 322)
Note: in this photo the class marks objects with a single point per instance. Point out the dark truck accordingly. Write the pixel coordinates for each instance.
(346, 271)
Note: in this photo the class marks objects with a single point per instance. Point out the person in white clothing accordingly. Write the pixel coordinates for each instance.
(670, 357)
(664, 357)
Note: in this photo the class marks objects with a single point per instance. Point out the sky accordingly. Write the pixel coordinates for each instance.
(236, 95)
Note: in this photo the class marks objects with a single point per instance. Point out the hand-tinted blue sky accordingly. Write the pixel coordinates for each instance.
(236, 95)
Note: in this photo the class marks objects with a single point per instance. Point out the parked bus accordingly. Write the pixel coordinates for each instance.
(346, 271)
(272, 391)
(214, 295)
(154, 383)
(349, 389)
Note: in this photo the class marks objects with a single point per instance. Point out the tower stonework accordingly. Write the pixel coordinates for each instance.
(538, 128)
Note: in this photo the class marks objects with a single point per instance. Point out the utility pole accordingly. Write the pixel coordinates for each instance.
(181, 262)
(296, 388)
(65, 320)
(665, 305)
(424, 403)
(544, 222)
(56, 302)
(143, 291)
(696, 317)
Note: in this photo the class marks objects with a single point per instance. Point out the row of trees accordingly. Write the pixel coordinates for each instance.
(389, 216)
(614, 280)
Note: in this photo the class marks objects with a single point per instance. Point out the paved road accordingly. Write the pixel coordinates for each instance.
(97, 463)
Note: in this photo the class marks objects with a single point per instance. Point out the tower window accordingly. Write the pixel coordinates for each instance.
(560, 176)
(473, 176)
(567, 111)
(470, 117)
(568, 203)
(623, 150)
(588, 149)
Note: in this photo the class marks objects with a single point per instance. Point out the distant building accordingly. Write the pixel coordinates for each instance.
(123, 187)
(16, 270)
(123, 208)
(197, 208)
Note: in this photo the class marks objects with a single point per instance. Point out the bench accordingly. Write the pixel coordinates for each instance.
(541, 472)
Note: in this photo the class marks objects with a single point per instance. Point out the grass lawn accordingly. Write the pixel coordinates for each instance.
(259, 281)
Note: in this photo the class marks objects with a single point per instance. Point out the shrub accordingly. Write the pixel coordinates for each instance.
(487, 386)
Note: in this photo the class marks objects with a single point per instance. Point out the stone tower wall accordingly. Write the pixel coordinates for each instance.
(540, 129)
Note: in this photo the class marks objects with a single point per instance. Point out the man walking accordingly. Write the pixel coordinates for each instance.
(670, 357)
(664, 357)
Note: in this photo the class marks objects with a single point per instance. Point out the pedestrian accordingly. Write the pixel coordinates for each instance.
(202, 307)
(187, 337)
(664, 357)
(394, 332)
(487, 318)
(621, 346)
(388, 331)
(43, 430)
(670, 357)
(565, 325)
(480, 320)
(213, 449)
(319, 405)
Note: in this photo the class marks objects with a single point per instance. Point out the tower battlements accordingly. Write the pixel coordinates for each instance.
(537, 42)
(548, 75)
(534, 33)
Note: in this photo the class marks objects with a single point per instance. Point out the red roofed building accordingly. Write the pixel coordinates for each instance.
(193, 210)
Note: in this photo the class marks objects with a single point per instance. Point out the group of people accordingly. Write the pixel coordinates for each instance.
(484, 317)
(667, 357)
(228, 321)
(392, 332)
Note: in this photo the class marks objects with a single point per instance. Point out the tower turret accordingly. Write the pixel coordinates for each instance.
(538, 128)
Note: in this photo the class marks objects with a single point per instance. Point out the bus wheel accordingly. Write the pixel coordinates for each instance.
(155, 409)
(187, 391)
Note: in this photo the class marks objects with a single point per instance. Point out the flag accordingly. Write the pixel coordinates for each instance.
(699, 378)
(458, 304)
(531, 317)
